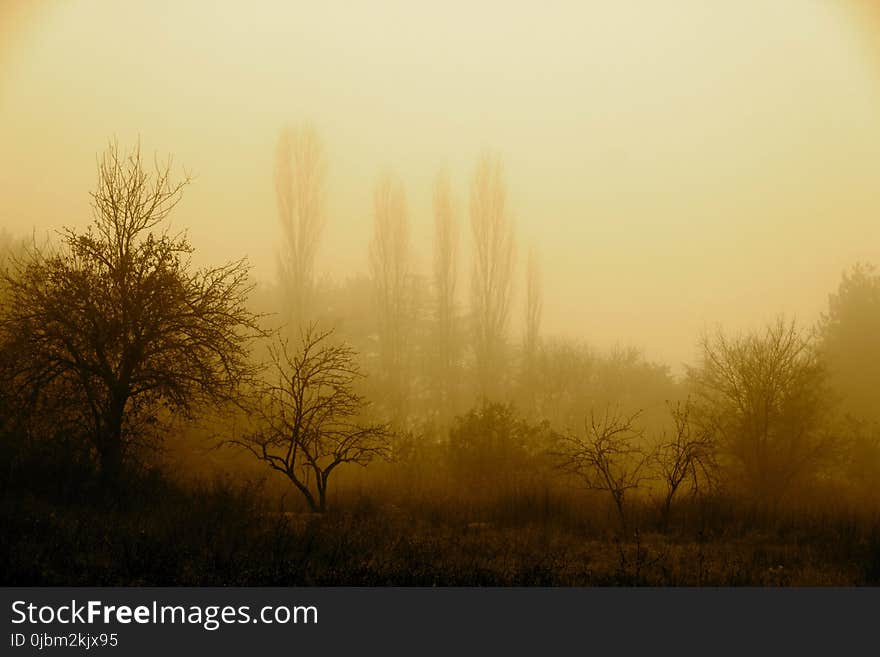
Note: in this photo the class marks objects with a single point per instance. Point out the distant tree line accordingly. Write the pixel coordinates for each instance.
(111, 338)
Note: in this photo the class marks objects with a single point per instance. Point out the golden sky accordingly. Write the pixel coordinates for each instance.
(678, 164)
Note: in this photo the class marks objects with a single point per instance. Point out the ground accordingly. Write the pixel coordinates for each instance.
(219, 534)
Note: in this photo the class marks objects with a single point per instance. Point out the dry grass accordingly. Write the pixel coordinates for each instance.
(222, 534)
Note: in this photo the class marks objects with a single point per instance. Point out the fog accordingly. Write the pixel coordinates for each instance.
(560, 294)
(676, 167)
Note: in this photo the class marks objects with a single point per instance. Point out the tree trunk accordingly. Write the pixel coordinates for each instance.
(322, 492)
(618, 502)
(303, 488)
(313, 506)
(110, 447)
(667, 507)
(110, 457)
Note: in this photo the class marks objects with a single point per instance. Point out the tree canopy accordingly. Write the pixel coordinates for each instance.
(114, 330)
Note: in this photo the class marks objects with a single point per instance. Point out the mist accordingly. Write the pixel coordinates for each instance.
(386, 293)
(678, 168)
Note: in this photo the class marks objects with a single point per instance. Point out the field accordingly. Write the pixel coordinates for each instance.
(219, 533)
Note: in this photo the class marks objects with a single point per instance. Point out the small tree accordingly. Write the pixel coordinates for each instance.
(606, 456)
(308, 419)
(492, 448)
(686, 458)
(764, 397)
(114, 330)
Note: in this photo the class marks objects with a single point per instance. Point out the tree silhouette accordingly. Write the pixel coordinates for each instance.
(492, 448)
(300, 170)
(606, 456)
(115, 330)
(492, 280)
(308, 417)
(686, 457)
(390, 273)
(763, 396)
(850, 341)
(534, 307)
(445, 280)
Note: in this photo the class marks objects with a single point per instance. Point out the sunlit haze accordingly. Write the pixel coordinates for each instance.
(677, 165)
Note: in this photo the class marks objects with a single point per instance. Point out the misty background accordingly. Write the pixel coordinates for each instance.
(676, 167)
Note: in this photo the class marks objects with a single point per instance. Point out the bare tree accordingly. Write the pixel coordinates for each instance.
(534, 306)
(492, 283)
(308, 416)
(606, 456)
(686, 457)
(390, 272)
(115, 330)
(534, 302)
(445, 279)
(300, 170)
(764, 397)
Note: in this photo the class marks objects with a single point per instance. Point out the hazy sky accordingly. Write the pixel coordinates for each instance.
(678, 164)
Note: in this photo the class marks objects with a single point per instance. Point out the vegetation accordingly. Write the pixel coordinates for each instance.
(115, 330)
(606, 456)
(305, 422)
(490, 462)
(763, 396)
